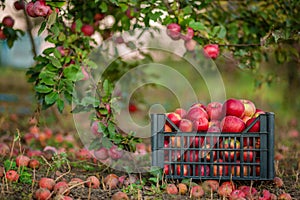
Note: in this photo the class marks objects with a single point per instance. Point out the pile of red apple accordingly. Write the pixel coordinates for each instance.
(207, 141)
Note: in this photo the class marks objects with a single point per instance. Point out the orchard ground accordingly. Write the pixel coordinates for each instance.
(16, 116)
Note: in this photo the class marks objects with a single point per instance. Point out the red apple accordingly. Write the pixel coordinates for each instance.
(232, 124)
(34, 164)
(233, 107)
(173, 31)
(285, 196)
(201, 124)
(111, 181)
(47, 183)
(212, 137)
(226, 188)
(195, 113)
(214, 110)
(168, 169)
(248, 154)
(22, 161)
(61, 188)
(210, 185)
(8, 21)
(42, 194)
(213, 129)
(189, 34)
(237, 195)
(19, 5)
(87, 30)
(278, 182)
(119, 196)
(200, 105)
(184, 172)
(211, 51)
(12, 176)
(250, 192)
(230, 144)
(167, 128)
(4, 149)
(204, 170)
(172, 189)
(257, 168)
(30, 9)
(266, 195)
(197, 192)
(182, 188)
(196, 141)
(258, 112)
(176, 141)
(250, 108)
(255, 127)
(115, 153)
(101, 154)
(185, 125)
(41, 9)
(219, 169)
(191, 156)
(206, 152)
(246, 118)
(174, 117)
(236, 169)
(99, 16)
(175, 156)
(93, 182)
(181, 112)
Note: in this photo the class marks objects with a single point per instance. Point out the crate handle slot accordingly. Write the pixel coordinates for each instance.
(249, 127)
(172, 124)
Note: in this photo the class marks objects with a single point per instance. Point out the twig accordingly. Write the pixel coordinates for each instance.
(240, 45)
(69, 170)
(75, 185)
(90, 191)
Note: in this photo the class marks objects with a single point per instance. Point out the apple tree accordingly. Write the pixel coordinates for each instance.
(243, 32)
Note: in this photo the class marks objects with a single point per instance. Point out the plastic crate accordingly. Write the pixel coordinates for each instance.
(201, 155)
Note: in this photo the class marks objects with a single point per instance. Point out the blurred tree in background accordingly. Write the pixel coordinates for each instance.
(246, 33)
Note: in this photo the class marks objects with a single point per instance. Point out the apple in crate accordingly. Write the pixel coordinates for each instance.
(231, 144)
(173, 117)
(180, 111)
(206, 152)
(204, 171)
(201, 124)
(214, 111)
(168, 169)
(258, 112)
(248, 154)
(236, 169)
(232, 124)
(191, 156)
(195, 113)
(233, 107)
(249, 106)
(255, 127)
(219, 169)
(195, 141)
(185, 125)
(185, 169)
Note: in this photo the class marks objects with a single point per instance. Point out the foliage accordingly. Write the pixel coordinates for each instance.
(246, 31)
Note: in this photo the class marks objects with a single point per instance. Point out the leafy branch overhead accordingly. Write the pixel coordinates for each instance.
(244, 32)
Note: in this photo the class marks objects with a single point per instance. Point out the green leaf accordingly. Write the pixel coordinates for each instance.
(222, 32)
(42, 28)
(52, 19)
(60, 105)
(106, 142)
(95, 144)
(197, 26)
(43, 89)
(55, 61)
(71, 72)
(51, 97)
(103, 6)
(123, 7)
(48, 51)
(57, 3)
(111, 128)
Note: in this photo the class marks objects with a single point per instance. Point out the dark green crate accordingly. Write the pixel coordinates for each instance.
(175, 156)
